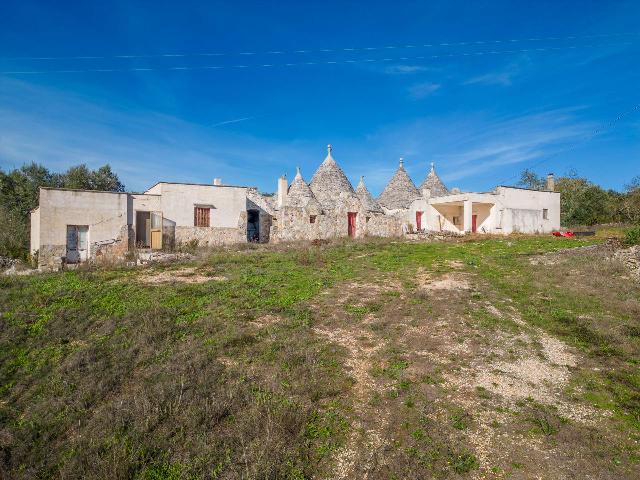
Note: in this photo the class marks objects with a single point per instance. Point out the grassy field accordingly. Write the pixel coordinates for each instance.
(488, 358)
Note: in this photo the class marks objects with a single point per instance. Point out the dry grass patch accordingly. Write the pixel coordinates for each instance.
(188, 275)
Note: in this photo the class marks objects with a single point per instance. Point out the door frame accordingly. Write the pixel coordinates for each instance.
(82, 255)
(255, 213)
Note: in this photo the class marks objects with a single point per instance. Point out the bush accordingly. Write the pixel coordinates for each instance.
(632, 236)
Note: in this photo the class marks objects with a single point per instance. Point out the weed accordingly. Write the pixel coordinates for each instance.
(463, 462)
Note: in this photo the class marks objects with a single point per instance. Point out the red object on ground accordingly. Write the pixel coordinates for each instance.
(568, 234)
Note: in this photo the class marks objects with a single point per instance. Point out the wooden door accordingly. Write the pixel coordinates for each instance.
(351, 223)
(474, 223)
(156, 230)
(418, 221)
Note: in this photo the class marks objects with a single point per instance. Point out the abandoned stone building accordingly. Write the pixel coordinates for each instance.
(72, 226)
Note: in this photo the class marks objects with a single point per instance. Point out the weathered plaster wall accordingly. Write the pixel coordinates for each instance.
(526, 210)
(506, 210)
(105, 214)
(178, 201)
(35, 231)
(440, 218)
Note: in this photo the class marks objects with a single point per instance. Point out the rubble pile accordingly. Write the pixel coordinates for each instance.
(430, 236)
(630, 258)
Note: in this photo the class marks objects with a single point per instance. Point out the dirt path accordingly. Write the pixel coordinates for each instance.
(448, 379)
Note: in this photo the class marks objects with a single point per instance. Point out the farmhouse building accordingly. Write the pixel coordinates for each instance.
(71, 226)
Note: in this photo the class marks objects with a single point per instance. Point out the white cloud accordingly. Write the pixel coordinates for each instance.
(423, 90)
(495, 78)
(504, 76)
(59, 129)
(404, 69)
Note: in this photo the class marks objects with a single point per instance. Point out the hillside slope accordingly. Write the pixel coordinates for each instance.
(489, 358)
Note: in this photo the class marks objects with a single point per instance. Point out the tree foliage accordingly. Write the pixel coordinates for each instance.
(19, 191)
(530, 179)
(583, 202)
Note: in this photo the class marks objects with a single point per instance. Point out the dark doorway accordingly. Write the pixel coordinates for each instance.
(143, 229)
(253, 226)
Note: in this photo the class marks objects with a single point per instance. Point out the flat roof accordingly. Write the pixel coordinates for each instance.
(199, 185)
(528, 189)
(96, 191)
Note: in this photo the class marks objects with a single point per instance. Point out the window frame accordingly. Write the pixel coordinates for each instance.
(201, 216)
(545, 214)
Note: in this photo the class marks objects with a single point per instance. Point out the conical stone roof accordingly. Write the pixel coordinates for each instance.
(329, 183)
(400, 191)
(367, 201)
(433, 183)
(300, 195)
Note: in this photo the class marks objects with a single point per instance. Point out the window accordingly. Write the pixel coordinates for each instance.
(545, 214)
(312, 219)
(366, 219)
(456, 220)
(201, 216)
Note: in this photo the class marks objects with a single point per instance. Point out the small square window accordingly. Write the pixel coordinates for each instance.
(366, 219)
(545, 213)
(312, 219)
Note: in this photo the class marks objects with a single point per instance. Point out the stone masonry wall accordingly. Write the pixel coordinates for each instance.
(213, 236)
(294, 224)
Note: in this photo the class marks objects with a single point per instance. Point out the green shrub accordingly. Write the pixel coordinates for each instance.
(632, 236)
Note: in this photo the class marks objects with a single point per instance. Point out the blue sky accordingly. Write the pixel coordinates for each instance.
(485, 105)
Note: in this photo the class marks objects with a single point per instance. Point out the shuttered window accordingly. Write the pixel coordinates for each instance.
(201, 216)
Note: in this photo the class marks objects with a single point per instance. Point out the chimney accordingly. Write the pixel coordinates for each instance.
(551, 182)
(217, 181)
(282, 190)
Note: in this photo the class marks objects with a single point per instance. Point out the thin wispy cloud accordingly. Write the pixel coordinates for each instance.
(235, 120)
(503, 76)
(494, 78)
(464, 147)
(423, 90)
(405, 69)
(59, 130)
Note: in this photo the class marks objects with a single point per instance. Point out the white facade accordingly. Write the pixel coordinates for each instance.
(503, 211)
(71, 225)
(74, 225)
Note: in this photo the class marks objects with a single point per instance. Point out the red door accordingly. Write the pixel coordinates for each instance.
(474, 223)
(418, 221)
(351, 221)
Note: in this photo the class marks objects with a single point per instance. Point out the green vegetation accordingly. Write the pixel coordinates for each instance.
(632, 236)
(105, 376)
(583, 202)
(19, 195)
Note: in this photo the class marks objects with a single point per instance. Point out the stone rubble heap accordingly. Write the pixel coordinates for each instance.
(630, 258)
